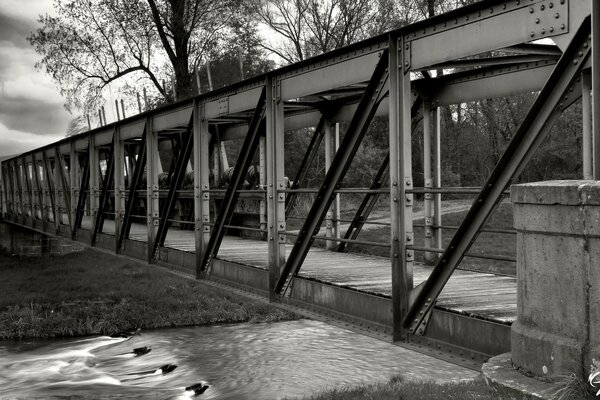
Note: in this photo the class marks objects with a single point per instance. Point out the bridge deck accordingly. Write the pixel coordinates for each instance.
(484, 295)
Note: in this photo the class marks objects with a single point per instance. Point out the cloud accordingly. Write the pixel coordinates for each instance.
(15, 142)
(30, 102)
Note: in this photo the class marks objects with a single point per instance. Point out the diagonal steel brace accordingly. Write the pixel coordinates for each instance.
(175, 181)
(140, 164)
(104, 195)
(535, 127)
(372, 97)
(257, 125)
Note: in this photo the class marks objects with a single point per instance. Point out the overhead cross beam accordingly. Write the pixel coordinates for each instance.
(175, 181)
(107, 183)
(365, 111)
(255, 128)
(139, 165)
(557, 94)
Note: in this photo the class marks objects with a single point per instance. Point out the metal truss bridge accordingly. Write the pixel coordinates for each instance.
(153, 186)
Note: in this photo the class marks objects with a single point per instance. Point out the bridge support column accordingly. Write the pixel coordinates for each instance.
(152, 194)
(275, 182)
(400, 182)
(557, 331)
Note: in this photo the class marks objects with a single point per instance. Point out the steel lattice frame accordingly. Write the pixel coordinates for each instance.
(377, 77)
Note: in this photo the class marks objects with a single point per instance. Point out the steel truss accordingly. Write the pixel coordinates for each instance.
(376, 77)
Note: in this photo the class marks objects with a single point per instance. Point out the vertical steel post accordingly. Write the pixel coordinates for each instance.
(94, 185)
(428, 181)
(329, 154)
(437, 181)
(587, 151)
(118, 157)
(152, 196)
(596, 88)
(400, 181)
(201, 184)
(74, 181)
(275, 182)
(338, 197)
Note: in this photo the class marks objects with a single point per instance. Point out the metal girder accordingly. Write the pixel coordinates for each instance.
(140, 165)
(485, 83)
(530, 48)
(484, 29)
(175, 181)
(257, 125)
(356, 130)
(494, 61)
(309, 156)
(107, 183)
(85, 182)
(65, 186)
(554, 97)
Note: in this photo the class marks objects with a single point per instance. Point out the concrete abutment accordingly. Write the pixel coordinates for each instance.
(557, 331)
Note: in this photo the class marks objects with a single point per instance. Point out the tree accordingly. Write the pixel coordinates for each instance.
(91, 44)
(310, 27)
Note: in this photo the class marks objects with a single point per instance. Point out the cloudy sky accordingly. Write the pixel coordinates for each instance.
(31, 108)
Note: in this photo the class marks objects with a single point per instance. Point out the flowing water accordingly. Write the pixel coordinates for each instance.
(239, 361)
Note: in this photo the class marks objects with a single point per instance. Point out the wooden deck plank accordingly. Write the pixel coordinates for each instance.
(481, 294)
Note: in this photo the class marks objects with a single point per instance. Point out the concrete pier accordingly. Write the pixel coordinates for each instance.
(557, 331)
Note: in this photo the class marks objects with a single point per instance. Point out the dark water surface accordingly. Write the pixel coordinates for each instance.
(240, 361)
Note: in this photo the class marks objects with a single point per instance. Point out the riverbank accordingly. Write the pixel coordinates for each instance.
(94, 293)
(399, 388)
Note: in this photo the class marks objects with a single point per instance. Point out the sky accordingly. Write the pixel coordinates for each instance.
(31, 107)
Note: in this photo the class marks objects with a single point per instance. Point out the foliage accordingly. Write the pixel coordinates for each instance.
(89, 45)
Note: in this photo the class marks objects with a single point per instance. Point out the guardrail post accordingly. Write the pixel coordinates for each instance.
(400, 181)
(437, 177)
(275, 182)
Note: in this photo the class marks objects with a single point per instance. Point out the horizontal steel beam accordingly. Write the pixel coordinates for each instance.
(505, 24)
(485, 83)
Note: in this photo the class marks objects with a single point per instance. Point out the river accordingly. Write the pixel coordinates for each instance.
(239, 361)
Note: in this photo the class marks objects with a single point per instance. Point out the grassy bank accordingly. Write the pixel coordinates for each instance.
(95, 293)
(399, 389)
